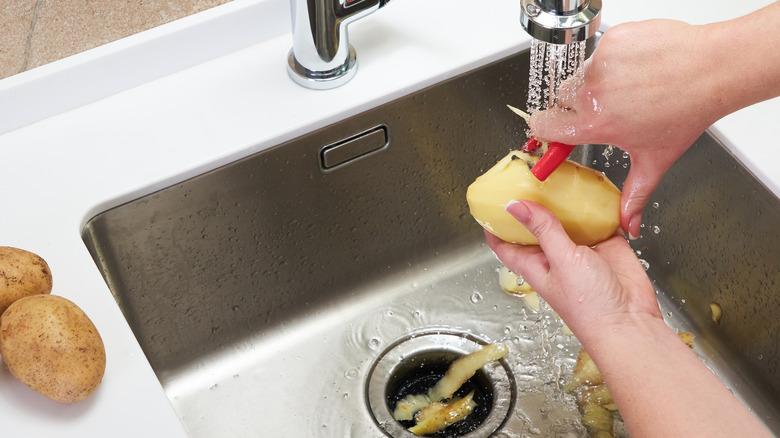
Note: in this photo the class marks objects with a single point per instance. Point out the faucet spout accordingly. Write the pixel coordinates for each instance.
(560, 21)
(321, 57)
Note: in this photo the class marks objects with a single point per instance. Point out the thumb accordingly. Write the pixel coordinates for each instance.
(643, 177)
(557, 125)
(545, 226)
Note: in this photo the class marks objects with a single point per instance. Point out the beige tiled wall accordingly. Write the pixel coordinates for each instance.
(36, 32)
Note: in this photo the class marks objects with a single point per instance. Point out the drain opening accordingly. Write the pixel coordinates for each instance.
(417, 374)
(414, 364)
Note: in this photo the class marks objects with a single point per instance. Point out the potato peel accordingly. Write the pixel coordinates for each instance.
(464, 368)
(595, 400)
(438, 416)
(543, 145)
(460, 371)
(411, 404)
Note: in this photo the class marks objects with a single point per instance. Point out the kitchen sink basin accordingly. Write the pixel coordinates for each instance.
(283, 294)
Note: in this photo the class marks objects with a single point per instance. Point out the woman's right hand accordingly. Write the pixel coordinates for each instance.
(644, 92)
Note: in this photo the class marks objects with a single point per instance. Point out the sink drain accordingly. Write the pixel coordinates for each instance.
(416, 362)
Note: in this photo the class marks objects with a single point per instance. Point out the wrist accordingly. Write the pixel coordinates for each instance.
(707, 80)
(742, 66)
(620, 331)
(660, 386)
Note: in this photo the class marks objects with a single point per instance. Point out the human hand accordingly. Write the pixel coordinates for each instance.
(606, 299)
(644, 91)
(591, 289)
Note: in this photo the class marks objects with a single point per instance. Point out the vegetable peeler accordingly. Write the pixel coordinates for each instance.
(555, 155)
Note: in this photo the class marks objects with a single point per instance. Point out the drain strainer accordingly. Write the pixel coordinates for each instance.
(414, 363)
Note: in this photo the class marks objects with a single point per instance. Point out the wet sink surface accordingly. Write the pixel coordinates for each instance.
(263, 292)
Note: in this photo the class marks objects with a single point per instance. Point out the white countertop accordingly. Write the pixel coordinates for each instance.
(108, 125)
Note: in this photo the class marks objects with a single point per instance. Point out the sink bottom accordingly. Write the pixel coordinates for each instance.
(309, 378)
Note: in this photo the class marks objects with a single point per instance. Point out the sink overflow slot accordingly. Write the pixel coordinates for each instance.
(352, 148)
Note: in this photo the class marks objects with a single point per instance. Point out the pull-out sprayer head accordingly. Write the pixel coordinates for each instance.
(560, 21)
(559, 29)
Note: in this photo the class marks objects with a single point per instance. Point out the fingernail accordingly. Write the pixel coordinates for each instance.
(518, 210)
(633, 226)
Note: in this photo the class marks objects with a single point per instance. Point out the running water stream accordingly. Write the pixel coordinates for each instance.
(551, 64)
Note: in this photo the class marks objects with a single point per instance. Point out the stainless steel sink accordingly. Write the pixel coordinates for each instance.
(268, 293)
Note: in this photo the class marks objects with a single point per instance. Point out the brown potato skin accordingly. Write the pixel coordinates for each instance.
(50, 344)
(22, 274)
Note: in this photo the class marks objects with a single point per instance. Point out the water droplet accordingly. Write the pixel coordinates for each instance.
(374, 343)
(351, 373)
(644, 264)
(656, 229)
(655, 205)
(476, 298)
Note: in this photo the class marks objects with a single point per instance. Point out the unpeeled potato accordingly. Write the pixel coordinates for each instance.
(583, 199)
(50, 344)
(22, 274)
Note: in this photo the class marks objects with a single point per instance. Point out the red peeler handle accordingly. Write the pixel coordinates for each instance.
(555, 155)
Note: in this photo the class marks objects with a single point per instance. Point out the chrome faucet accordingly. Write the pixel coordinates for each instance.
(321, 57)
(560, 21)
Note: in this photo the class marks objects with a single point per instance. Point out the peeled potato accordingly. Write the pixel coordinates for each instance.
(51, 345)
(584, 200)
(22, 274)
